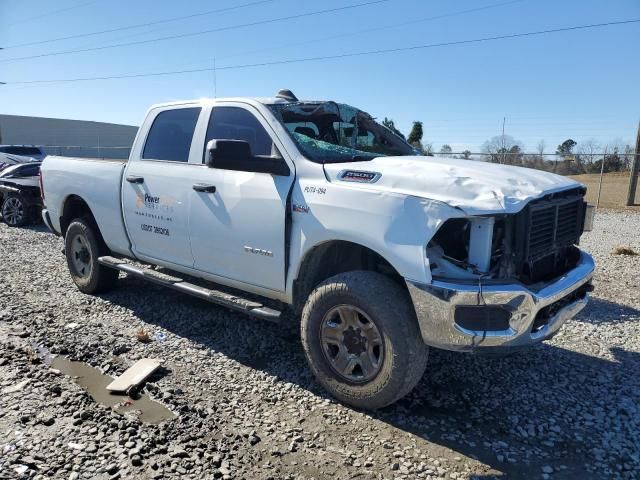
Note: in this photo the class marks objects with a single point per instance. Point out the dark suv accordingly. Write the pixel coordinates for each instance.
(20, 201)
(16, 154)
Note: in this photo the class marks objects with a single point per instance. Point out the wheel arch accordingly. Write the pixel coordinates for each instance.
(329, 258)
(74, 206)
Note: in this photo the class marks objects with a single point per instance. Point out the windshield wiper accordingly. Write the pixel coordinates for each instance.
(362, 158)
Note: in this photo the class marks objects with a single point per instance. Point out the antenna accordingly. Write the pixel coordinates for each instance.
(215, 79)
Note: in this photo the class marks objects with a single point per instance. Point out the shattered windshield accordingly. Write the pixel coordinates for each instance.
(329, 132)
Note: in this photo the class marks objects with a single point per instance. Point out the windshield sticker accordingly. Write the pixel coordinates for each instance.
(359, 176)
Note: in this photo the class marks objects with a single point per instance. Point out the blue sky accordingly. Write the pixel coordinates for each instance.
(581, 84)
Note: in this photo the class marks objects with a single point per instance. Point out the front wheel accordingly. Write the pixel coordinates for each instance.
(361, 339)
(83, 247)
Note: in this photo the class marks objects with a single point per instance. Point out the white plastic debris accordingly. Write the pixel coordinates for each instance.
(134, 375)
(20, 469)
(15, 388)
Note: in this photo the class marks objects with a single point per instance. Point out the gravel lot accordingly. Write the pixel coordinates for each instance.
(246, 405)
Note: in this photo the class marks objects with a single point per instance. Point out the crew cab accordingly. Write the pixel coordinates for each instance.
(20, 201)
(267, 204)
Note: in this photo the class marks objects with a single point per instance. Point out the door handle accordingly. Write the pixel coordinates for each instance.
(134, 179)
(204, 188)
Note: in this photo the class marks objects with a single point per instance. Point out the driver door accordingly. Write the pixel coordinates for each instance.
(238, 231)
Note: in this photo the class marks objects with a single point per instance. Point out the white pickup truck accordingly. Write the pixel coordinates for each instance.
(314, 206)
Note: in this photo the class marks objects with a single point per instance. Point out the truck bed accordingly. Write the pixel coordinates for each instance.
(98, 182)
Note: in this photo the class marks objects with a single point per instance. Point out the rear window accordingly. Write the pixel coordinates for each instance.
(22, 170)
(171, 134)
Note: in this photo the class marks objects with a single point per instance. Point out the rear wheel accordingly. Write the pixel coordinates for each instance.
(16, 210)
(362, 340)
(83, 247)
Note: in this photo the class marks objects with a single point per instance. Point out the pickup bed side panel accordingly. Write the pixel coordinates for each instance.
(98, 183)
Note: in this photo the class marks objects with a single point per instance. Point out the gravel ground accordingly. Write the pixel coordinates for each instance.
(246, 405)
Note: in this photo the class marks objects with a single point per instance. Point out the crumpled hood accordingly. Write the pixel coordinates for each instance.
(475, 187)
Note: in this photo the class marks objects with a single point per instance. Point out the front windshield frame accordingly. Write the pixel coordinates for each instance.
(329, 132)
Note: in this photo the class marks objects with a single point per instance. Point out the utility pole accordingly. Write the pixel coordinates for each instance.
(604, 159)
(635, 167)
(504, 120)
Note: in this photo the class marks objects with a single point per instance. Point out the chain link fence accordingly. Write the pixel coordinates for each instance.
(606, 175)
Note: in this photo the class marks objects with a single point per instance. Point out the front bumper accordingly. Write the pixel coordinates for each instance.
(535, 315)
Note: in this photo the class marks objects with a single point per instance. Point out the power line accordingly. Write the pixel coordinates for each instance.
(201, 32)
(352, 33)
(48, 14)
(140, 25)
(339, 56)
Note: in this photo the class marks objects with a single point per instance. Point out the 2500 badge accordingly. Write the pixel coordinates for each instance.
(154, 229)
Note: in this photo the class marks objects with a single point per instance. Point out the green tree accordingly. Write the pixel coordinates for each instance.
(415, 136)
(565, 149)
(387, 122)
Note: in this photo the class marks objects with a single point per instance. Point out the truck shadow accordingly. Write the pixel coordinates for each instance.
(544, 406)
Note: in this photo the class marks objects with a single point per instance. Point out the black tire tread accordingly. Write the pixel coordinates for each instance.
(102, 278)
(385, 299)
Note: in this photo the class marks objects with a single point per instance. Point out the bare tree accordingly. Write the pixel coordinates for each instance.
(427, 148)
(503, 147)
(588, 150)
(540, 149)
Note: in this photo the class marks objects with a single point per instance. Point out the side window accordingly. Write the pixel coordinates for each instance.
(171, 134)
(234, 123)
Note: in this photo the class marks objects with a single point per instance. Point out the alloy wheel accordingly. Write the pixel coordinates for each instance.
(13, 211)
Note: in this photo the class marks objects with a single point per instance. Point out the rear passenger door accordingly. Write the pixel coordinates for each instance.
(156, 186)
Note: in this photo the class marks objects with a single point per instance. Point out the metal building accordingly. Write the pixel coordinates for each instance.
(68, 137)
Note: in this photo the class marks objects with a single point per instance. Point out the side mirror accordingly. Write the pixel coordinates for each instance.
(236, 155)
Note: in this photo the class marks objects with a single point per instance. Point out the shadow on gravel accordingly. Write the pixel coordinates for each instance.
(602, 311)
(498, 410)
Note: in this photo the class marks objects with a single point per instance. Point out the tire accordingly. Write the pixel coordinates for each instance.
(16, 210)
(395, 357)
(83, 247)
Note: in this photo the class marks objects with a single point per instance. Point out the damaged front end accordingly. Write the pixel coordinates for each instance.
(535, 245)
(505, 280)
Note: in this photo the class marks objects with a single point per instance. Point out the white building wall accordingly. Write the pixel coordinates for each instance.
(68, 137)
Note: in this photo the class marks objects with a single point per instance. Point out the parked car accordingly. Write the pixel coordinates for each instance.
(316, 207)
(14, 154)
(20, 201)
